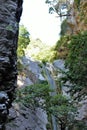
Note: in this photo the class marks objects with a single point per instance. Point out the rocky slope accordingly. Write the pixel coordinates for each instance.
(21, 117)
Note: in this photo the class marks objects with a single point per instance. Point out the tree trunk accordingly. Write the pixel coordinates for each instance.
(10, 12)
(63, 127)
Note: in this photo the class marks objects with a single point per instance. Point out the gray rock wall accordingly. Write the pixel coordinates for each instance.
(10, 12)
(22, 117)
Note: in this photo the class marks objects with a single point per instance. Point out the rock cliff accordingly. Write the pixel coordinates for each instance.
(78, 19)
(22, 117)
(10, 12)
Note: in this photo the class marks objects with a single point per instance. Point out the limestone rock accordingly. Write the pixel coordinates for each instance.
(23, 118)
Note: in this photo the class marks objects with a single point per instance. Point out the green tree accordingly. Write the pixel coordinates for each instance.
(23, 40)
(63, 109)
(37, 96)
(76, 63)
(40, 51)
(77, 3)
(61, 47)
(56, 5)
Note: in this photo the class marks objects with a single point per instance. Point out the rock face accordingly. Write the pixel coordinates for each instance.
(78, 19)
(22, 117)
(10, 12)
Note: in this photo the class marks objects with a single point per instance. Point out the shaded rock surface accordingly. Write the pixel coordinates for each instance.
(10, 12)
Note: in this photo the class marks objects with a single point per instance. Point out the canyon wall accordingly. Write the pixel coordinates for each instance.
(10, 12)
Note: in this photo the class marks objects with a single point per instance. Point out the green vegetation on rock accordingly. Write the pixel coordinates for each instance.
(64, 27)
(76, 62)
(62, 47)
(34, 96)
(38, 96)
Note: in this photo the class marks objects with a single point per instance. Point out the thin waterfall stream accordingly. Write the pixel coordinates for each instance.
(53, 86)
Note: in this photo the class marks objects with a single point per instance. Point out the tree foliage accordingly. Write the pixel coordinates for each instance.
(23, 40)
(77, 2)
(63, 110)
(64, 28)
(34, 96)
(57, 5)
(37, 96)
(76, 62)
(40, 51)
(62, 47)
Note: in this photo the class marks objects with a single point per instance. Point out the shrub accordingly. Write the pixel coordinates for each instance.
(76, 62)
(62, 47)
(23, 40)
(34, 96)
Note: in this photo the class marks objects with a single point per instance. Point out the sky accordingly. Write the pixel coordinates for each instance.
(39, 22)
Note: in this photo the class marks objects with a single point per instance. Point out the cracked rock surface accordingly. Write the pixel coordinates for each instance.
(10, 12)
